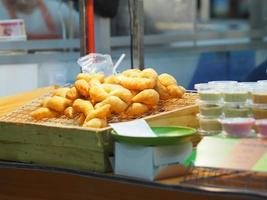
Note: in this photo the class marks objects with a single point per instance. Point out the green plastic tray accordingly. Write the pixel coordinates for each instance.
(165, 136)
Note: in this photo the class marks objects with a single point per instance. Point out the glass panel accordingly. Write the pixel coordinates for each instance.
(200, 40)
(44, 19)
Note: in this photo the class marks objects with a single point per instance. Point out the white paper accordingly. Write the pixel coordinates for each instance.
(135, 128)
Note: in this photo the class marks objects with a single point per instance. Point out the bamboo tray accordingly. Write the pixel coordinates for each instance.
(62, 143)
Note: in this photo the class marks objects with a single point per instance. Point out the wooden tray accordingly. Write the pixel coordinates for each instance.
(62, 143)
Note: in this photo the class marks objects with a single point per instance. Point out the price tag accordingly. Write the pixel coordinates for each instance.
(12, 30)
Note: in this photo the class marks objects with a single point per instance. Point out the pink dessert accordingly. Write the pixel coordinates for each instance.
(262, 127)
(237, 127)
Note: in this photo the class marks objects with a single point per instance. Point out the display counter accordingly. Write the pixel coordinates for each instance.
(30, 181)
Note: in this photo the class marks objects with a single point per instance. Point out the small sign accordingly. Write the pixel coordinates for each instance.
(12, 30)
(232, 153)
(135, 128)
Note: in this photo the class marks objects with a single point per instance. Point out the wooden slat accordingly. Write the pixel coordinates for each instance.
(73, 158)
(56, 136)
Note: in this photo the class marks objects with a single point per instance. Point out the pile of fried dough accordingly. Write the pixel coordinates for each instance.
(94, 97)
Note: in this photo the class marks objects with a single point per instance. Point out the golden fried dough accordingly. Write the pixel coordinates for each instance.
(167, 79)
(111, 87)
(131, 73)
(175, 91)
(149, 73)
(134, 83)
(73, 93)
(83, 106)
(96, 123)
(61, 92)
(117, 105)
(42, 113)
(101, 112)
(148, 97)
(123, 93)
(81, 119)
(136, 109)
(69, 112)
(44, 102)
(58, 104)
(162, 90)
(83, 87)
(94, 82)
(113, 79)
(88, 77)
(97, 94)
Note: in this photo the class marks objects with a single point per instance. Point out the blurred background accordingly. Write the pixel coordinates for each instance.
(195, 40)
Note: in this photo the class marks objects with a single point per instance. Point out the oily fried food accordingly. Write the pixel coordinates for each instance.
(123, 93)
(73, 93)
(83, 87)
(96, 123)
(117, 105)
(61, 92)
(42, 113)
(44, 103)
(97, 94)
(149, 73)
(88, 77)
(69, 112)
(149, 97)
(58, 104)
(113, 79)
(136, 109)
(131, 72)
(175, 91)
(81, 119)
(162, 90)
(135, 83)
(111, 87)
(101, 112)
(82, 106)
(167, 79)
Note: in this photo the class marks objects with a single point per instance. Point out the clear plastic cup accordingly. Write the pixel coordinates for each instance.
(210, 110)
(236, 110)
(259, 111)
(237, 127)
(220, 85)
(235, 94)
(207, 93)
(259, 94)
(262, 82)
(262, 127)
(209, 126)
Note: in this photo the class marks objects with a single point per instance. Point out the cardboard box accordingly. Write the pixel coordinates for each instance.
(151, 163)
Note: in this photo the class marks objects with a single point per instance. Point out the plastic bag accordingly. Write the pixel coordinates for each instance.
(95, 63)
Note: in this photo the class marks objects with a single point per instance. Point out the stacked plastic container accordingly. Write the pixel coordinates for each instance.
(231, 107)
(259, 100)
(210, 109)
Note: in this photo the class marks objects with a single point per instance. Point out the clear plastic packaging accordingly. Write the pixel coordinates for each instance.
(95, 63)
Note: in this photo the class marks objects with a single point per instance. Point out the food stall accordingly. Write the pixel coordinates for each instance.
(58, 142)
